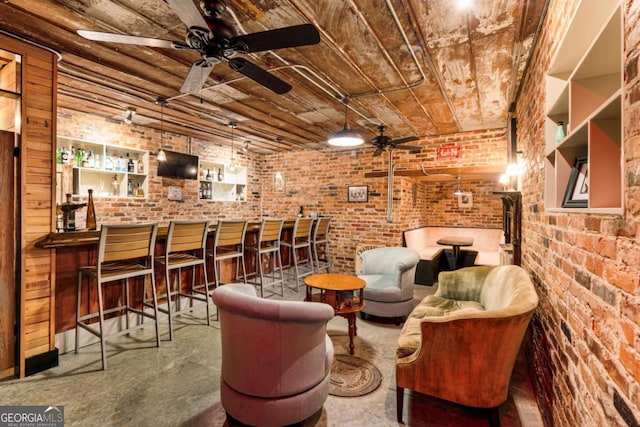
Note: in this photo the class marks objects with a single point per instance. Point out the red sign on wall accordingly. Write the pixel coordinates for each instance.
(449, 151)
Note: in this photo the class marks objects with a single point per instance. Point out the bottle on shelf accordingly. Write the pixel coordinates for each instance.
(208, 175)
(139, 190)
(96, 162)
(91, 212)
(115, 186)
(560, 134)
(64, 156)
(79, 157)
(129, 188)
(108, 162)
(122, 165)
(140, 165)
(220, 175)
(73, 158)
(91, 160)
(131, 167)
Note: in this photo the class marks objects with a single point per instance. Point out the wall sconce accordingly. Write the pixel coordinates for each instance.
(128, 118)
(458, 191)
(245, 147)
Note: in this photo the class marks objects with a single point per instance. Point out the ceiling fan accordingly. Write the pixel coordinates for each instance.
(382, 141)
(216, 41)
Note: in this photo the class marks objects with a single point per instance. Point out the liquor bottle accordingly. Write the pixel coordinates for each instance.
(64, 155)
(131, 167)
(220, 175)
(59, 155)
(129, 188)
(139, 190)
(108, 161)
(73, 158)
(140, 165)
(91, 212)
(91, 162)
(208, 176)
(96, 162)
(122, 165)
(115, 186)
(79, 156)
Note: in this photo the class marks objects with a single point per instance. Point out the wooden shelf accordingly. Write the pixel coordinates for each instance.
(584, 91)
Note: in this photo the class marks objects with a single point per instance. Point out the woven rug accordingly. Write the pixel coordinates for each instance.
(352, 376)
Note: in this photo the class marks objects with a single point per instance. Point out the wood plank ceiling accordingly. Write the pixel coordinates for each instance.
(421, 67)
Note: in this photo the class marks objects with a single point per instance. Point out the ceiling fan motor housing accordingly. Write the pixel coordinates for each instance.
(213, 8)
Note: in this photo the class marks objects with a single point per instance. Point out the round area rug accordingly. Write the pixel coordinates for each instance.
(352, 376)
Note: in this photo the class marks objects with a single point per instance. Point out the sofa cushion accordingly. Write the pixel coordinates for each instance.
(430, 306)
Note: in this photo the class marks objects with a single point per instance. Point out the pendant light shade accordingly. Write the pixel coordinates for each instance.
(458, 191)
(345, 137)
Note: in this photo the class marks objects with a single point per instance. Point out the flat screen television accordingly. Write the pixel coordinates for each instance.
(179, 165)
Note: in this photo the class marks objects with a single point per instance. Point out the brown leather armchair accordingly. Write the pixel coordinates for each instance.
(461, 343)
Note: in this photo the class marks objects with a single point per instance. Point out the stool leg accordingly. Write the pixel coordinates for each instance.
(126, 302)
(261, 272)
(167, 281)
(78, 304)
(206, 292)
(281, 271)
(101, 319)
(155, 305)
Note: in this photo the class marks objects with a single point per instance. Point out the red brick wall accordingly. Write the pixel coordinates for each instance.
(585, 339)
(315, 180)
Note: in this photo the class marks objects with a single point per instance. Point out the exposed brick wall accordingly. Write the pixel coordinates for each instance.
(315, 180)
(585, 340)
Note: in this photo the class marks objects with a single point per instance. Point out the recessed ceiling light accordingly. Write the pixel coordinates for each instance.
(464, 4)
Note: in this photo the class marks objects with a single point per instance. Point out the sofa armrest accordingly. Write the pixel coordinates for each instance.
(388, 260)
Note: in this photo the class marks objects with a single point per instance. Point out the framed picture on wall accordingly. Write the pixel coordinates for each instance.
(465, 200)
(278, 182)
(577, 193)
(358, 193)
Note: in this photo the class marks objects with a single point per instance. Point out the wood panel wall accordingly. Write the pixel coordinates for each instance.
(36, 193)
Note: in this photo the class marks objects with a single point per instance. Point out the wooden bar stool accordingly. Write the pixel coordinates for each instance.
(300, 244)
(268, 244)
(320, 244)
(186, 247)
(124, 251)
(229, 244)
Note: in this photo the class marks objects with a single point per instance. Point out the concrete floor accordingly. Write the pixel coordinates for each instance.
(178, 383)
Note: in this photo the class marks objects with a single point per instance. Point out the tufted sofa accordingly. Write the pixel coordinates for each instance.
(276, 356)
(461, 343)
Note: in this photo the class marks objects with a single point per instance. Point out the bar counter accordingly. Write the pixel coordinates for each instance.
(79, 248)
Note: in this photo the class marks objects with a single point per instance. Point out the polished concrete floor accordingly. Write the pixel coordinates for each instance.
(178, 383)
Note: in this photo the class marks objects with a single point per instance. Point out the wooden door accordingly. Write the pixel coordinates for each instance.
(7, 257)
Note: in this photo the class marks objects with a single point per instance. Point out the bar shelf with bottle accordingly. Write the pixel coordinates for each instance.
(110, 170)
(219, 182)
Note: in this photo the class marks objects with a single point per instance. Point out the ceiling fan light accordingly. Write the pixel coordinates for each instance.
(345, 138)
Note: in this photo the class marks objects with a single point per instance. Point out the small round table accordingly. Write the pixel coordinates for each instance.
(455, 242)
(345, 293)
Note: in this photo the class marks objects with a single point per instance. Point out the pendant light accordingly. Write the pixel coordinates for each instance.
(232, 165)
(458, 191)
(345, 137)
(161, 154)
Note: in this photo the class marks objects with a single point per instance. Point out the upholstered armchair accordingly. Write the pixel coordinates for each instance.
(276, 356)
(461, 343)
(389, 273)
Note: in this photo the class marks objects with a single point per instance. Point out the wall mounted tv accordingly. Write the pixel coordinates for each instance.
(179, 165)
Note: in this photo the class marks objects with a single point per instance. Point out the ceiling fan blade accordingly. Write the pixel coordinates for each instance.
(403, 140)
(188, 13)
(198, 74)
(122, 38)
(259, 75)
(280, 38)
(377, 152)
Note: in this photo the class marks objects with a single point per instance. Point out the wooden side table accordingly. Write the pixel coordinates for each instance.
(345, 293)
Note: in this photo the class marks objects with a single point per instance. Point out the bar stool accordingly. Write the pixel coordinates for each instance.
(268, 243)
(320, 243)
(186, 247)
(300, 242)
(229, 244)
(124, 251)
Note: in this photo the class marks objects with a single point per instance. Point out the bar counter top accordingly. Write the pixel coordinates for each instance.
(90, 237)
